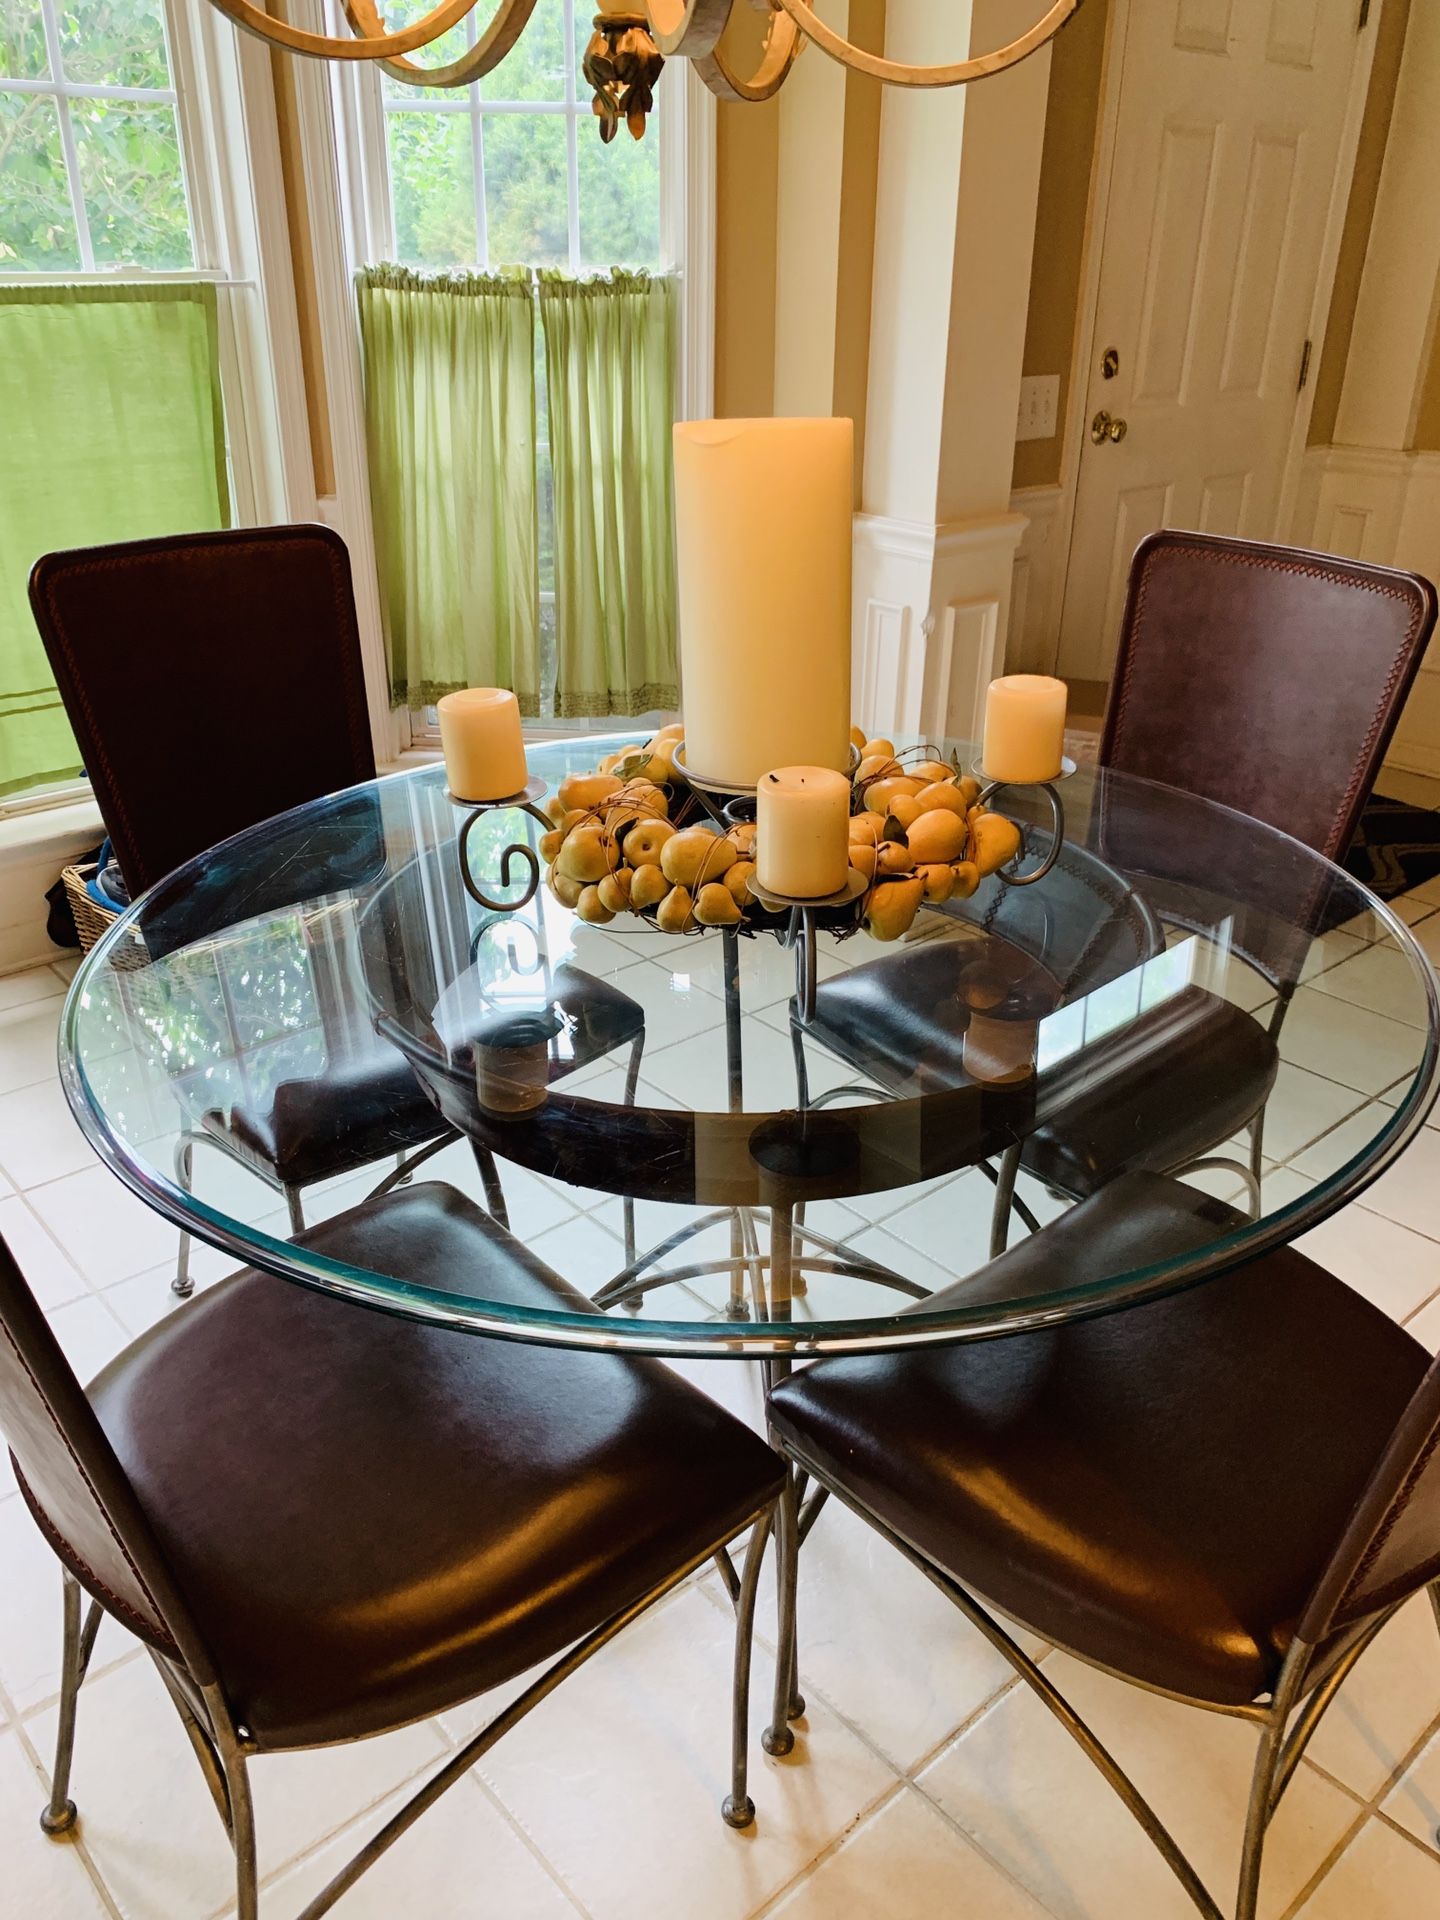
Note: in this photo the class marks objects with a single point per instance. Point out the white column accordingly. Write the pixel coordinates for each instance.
(955, 224)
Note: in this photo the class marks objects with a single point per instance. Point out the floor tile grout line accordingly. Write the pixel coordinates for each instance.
(832, 1846)
(529, 1841)
(40, 1766)
(1370, 1809)
(1430, 1848)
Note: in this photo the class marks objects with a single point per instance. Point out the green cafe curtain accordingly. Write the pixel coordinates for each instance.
(610, 362)
(450, 420)
(111, 428)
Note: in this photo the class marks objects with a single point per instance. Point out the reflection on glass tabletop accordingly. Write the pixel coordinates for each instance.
(1193, 1039)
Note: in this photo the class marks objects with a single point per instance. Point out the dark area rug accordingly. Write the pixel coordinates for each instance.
(1396, 846)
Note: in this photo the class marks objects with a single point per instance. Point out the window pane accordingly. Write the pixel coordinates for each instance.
(527, 202)
(37, 226)
(22, 41)
(114, 43)
(130, 176)
(534, 68)
(402, 13)
(432, 185)
(620, 198)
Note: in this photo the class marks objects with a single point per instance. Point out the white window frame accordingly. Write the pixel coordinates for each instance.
(686, 126)
(224, 97)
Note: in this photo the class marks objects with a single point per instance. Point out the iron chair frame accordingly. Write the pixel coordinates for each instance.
(1278, 1754)
(224, 1747)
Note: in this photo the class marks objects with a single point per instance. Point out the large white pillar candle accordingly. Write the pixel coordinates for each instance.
(1024, 728)
(802, 837)
(484, 750)
(763, 516)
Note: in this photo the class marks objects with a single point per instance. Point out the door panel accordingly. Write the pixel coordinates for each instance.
(1294, 32)
(1170, 314)
(1203, 26)
(1269, 204)
(1226, 145)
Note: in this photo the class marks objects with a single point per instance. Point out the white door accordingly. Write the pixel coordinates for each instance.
(1226, 146)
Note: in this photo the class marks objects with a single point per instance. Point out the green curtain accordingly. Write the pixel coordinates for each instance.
(450, 419)
(111, 428)
(610, 347)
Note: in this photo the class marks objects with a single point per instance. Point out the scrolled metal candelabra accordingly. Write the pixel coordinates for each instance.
(522, 802)
(989, 788)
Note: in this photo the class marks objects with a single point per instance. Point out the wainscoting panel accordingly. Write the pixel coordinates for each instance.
(1369, 503)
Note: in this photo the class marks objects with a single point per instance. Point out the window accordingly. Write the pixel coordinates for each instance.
(511, 171)
(91, 176)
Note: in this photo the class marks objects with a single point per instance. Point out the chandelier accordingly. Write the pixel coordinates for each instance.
(630, 46)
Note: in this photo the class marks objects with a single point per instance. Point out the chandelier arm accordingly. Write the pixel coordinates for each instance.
(902, 74)
(324, 46)
(687, 27)
(782, 42)
(510, 20)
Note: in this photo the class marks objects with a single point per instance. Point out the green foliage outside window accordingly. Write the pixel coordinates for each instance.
(127, 151)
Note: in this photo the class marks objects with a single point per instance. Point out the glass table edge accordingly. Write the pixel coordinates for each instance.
(677, 1339)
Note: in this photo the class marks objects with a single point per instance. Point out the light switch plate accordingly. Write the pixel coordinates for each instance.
(1039, 407)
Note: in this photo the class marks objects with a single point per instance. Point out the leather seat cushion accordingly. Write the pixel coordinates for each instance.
(1169, 1088)
(1156, 1489)
(358, 1111)
(374, 1519)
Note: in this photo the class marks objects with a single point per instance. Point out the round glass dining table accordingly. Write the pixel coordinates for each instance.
(1187, 1002)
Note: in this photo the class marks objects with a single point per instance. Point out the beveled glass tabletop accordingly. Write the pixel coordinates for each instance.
(1186, 993)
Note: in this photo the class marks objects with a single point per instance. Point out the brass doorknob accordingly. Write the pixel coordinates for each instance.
(1106, 427)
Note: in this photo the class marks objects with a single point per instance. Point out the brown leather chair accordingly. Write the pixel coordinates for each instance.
(325, 1521)
(1222, 1494)
(1271, 680)
(213, 681)
(1263, 677)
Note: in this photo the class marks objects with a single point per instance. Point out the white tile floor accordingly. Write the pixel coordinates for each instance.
(924, 1783)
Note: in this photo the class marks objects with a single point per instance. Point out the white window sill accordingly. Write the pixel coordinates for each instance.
(67, 828)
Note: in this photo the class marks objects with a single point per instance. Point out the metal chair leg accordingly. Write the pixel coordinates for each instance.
(777, 1738)
(297, 1209)
(627, 1204)
(59, 1816)
(1262, 1784)
(738, 1809)
(242, 1837)
(182, 1284)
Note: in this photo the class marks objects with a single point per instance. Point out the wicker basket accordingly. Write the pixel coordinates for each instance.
(91, 919)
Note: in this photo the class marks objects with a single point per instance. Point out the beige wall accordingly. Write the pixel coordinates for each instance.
(1071, 122)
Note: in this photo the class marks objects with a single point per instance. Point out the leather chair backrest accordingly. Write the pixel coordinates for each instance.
(212, 681)
(1267, 678)
(75, 1485)
(1391, 1547)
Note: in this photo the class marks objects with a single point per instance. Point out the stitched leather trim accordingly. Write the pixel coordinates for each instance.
(1381, 1538)
(1271, 562)
(147, 1628)
(158, 1624)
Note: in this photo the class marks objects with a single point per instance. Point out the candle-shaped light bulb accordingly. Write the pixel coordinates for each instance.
(1024, 729)
(802, 835)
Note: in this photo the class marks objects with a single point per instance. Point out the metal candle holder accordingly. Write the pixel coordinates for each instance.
(989, 788)
(800, 934)
(522, 802)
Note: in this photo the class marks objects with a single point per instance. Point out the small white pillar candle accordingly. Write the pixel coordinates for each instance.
(764, 525)
(1024, 728)
(802, 840)
(484, 750)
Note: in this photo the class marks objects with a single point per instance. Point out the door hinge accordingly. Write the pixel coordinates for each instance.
(1304, 367)
(1364, 20)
